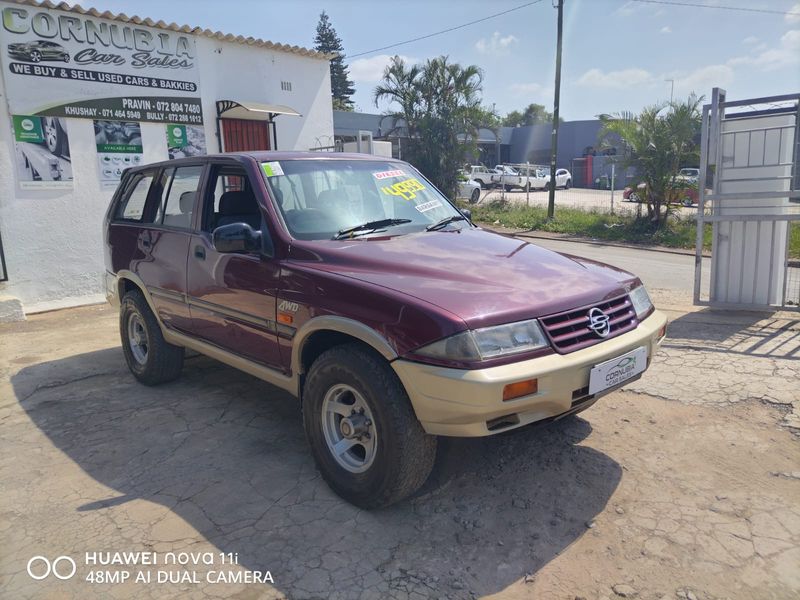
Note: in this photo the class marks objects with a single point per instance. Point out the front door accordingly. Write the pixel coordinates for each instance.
(232, 296)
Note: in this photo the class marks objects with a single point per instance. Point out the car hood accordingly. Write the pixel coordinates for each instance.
(482, 277)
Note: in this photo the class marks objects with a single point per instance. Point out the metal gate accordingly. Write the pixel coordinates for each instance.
(749, 197)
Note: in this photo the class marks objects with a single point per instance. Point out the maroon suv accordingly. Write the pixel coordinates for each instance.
(353, 283)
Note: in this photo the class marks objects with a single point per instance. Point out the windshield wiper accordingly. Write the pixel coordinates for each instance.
(369, 227)
(445, 221)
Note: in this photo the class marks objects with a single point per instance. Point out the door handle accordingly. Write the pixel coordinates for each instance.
(200, 252)
(146, 242)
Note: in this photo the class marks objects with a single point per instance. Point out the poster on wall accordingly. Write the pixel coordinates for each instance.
(119, 146)
(41, 152)
(185, 140)
(94, 68)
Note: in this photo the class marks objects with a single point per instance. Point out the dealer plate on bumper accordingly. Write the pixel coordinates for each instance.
(617, 371)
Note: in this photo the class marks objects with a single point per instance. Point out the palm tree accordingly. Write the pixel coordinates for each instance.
(658, 141)
(440, 104)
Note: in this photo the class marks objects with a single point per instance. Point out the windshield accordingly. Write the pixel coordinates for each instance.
(320, 198)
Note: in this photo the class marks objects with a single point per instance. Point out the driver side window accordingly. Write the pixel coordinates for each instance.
(230, 198)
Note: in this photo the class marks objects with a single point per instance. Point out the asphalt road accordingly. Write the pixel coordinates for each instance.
(658, 270)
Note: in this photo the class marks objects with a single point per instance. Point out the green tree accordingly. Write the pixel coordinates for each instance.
(533, 114)
(658, 142)
(439, 104)
(328, 42)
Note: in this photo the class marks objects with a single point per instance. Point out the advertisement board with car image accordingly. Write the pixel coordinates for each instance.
(119, 146)
(95, 68)
(41, 152)
(185, 140)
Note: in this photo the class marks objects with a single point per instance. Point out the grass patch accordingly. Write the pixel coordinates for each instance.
(680, 232)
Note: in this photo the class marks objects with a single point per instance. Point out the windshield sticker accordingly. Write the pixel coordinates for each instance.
(428, 206)
(271, 169)
(407, 188)
(389, 174)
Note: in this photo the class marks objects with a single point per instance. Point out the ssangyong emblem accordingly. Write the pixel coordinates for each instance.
(598, 322)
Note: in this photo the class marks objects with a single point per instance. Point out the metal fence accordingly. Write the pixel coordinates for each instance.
(750, 151)
(3, 272)
(605, 193)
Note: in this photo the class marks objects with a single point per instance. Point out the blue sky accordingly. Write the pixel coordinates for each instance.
(617, 53)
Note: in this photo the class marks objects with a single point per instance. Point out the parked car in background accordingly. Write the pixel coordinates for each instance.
(509, 178)
(563, 179)
(469, 189)
(38, 50)
(538, 179)
(481, 174)
(681, 192)
(393, 319)
(689, 173)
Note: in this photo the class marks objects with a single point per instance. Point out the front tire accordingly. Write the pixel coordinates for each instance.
(475, 196)
(364, 436)
(151, 359)
(568, 184)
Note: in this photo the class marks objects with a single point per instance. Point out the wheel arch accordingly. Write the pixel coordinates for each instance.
(128, 281)
(321, 333)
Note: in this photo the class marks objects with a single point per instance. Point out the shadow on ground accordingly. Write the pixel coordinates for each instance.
(226, 453)
(743, 333)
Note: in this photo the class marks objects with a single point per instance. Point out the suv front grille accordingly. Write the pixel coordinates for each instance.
(569, 331)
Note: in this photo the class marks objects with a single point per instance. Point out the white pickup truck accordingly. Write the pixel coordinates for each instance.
(482, 175)
(509, 178)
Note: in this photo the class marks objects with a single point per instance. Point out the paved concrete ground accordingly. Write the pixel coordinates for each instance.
(685, 485)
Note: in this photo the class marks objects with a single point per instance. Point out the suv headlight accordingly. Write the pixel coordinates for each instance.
(641, 301)
(490, 342)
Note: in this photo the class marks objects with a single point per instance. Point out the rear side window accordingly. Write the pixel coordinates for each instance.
(132, 207)
(180, 195)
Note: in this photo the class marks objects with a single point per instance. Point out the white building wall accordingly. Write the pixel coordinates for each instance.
(53, 239)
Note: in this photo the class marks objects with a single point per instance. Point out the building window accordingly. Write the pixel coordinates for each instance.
(286, 86)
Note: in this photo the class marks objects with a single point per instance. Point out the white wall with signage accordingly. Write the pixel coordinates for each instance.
(85, 97)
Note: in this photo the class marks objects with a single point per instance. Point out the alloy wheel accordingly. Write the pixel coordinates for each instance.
(137, 338)
(349, 428)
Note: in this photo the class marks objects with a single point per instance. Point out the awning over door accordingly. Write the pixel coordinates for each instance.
(252, 111)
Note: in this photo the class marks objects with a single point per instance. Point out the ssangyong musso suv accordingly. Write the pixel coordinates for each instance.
(354, 284)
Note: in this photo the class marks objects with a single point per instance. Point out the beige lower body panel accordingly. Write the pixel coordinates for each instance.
(456, 402)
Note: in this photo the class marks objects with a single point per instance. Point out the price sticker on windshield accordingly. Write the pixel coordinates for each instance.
(406, 189)
(272, 169)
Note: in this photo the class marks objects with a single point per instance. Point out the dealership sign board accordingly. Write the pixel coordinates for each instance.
(64, 64)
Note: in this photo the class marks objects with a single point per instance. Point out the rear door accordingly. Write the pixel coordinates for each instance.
(232, 296)
(165, 242)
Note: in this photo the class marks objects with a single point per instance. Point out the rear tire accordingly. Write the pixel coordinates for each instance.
(568, 184)
(151, 359)
(349, 388)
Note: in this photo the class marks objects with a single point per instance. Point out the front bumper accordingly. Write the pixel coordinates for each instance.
(456, 402)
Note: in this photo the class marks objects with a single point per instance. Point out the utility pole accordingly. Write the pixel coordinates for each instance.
(551, 201)
(671, 89)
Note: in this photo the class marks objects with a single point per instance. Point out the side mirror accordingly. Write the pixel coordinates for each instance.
(236, 237)
(467, 213)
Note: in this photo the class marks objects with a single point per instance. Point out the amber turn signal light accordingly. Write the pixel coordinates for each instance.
(285, 319)
(520, 388)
